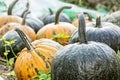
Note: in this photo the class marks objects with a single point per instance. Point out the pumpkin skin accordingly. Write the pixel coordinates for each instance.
(89, 19)
(33, 59)
(34, 23)
(85, 60)
(9, 17)
(51, 18)
(104, 32)
(52, 29)
(11, 26)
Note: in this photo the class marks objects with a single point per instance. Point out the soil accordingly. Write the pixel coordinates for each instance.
(5, 74)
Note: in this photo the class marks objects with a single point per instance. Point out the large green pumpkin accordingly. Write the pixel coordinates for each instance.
(98, 31)
(86, 60)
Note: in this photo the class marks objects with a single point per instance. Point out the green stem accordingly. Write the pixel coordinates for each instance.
(24, 18)
(25, 39)
(50, 10)
(58, 13)
(82, 29)
(98, 22)
(27, 9)
(89, 16)
(13, 51)
(10, 8)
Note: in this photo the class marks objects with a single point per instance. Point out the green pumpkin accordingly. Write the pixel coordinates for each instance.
(51, 18)
(98, 31)
(85, 60)
(114, 17)
(17, 46)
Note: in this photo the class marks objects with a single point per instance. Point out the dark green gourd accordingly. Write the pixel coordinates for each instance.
(85, 60)
(104, 32)
(51, 18)
(16, 47)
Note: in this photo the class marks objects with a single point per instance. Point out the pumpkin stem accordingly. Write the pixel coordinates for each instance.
(58, 13)
(82, 29)
(24, 17)
(98, 22)
(25, 39)
(27, 8)
(10, 8)
(50, 10)
(89, 16)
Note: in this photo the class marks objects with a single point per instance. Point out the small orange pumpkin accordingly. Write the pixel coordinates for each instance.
(87, 20)
(11, 26)
(57, 28)
(33, 59)
(9, 17)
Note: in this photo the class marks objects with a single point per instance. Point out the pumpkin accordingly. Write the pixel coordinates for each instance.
(11, 26)
(34, 23)
(114, 18)
(87, 20)
(16, 47)
(57, 28)
(85, 60)
(104, 32)
(35, 57)
(51, 18)
(10, 18)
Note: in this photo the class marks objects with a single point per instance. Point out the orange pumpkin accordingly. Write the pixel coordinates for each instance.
(35, 57)
(57, 28)
(9, 17)
(87, 20)
(11, 26)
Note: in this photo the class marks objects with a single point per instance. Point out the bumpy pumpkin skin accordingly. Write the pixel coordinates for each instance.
(37, 56)
(52, 29)
(11, 26)
(94, 61)
(108, 33)
(85, 60)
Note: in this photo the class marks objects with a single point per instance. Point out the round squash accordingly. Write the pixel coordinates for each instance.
(87, 20)
(58, 31)
(9, 17)
(35, 57)
(104, 32)
(85, 60)
(11, 26)
(51, 18)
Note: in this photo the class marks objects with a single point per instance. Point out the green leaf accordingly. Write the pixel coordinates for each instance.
(60, 36)
(43, 76)
(11, 61)
(5, 53)
(13, 74)
(49, 78)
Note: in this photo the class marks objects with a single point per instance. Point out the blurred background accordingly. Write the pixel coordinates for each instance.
(40, 7)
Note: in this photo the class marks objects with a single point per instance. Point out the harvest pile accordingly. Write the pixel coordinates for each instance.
(54, 47)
